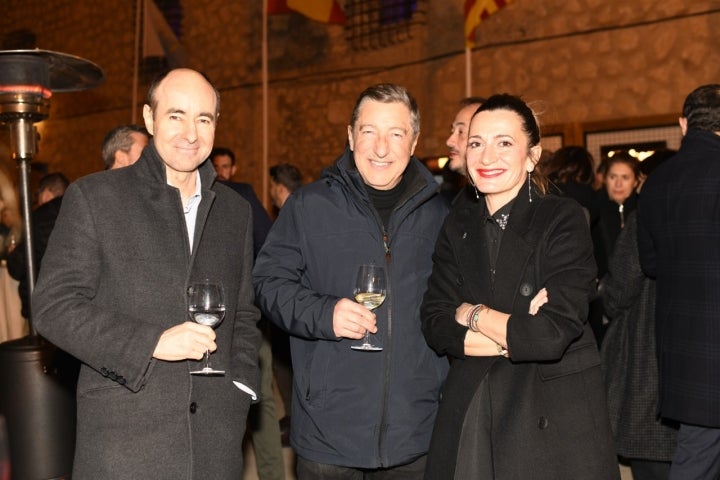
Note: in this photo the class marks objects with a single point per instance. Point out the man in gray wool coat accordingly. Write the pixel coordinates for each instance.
(112, 291)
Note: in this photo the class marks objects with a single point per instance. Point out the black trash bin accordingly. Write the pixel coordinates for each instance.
(37, 399)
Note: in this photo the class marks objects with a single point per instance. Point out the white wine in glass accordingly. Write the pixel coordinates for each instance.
(206, 306)
(370, 293)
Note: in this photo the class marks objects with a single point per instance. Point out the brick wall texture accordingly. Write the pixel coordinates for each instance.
(575, 60)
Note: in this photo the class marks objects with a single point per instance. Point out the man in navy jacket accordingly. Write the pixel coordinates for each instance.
(354, 411)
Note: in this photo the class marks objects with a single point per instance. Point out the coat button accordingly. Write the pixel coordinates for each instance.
(193, 407)
(526, 289)
(542, 423)
(121, 380)
(459, 280)
(104, 372)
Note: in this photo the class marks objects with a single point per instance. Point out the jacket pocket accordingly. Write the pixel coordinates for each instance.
(316, 378)
(576, 359)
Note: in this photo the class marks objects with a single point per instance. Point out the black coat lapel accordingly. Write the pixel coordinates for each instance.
(472, 253)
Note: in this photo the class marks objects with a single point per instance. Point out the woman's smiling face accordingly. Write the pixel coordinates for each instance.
(498, 157)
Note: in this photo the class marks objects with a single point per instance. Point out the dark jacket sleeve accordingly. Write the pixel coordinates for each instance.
(563, 263)
(278, 278)
(442, 332)
(646, 245)
(63, 307)
(246, 335)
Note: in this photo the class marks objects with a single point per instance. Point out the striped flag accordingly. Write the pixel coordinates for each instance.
(325, 11)
(475, 12)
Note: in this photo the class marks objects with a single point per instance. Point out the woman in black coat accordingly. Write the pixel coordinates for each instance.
(524, 397)
(612, 206)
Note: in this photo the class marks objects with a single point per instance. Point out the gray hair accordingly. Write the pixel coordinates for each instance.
(389, 93)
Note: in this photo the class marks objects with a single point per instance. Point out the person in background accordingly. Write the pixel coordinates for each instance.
(113, 292)
(678, 242)
(612, 206)
(10, 226)
(263, 419)
(454, 172)
(457, 141)
(616, 201)
(123, 145)
(49, 198)
(628, 351)
(507, 302)
(284, 180)
(570, 172)
(223, 160)
(359, 414)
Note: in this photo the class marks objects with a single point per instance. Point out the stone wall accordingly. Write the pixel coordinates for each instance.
(578, 61)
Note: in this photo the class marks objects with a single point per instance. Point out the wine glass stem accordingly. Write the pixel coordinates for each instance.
(367, 337)
(207, 358)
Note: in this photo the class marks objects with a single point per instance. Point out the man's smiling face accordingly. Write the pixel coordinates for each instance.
(382, 141)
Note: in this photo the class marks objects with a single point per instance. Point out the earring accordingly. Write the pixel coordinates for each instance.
(530, 186)
(470, 180)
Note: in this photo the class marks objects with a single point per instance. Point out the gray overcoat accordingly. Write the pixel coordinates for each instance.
(114, 277)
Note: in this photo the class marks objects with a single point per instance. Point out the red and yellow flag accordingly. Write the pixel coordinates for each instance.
(475, 12)
(325, 11)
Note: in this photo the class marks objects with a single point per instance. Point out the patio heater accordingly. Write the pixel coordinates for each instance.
(38, 394)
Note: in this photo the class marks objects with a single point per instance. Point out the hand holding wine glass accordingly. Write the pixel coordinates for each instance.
(206, 306)
(370, 292)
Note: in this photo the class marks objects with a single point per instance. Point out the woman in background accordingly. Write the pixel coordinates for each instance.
(614, 203)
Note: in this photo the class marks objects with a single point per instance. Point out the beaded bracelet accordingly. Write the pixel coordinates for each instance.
(474, 316)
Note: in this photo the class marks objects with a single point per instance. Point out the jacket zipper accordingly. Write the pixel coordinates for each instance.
(386, 349)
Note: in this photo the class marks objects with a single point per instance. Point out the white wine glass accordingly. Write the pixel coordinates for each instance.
(207, 307)
(369, 292)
